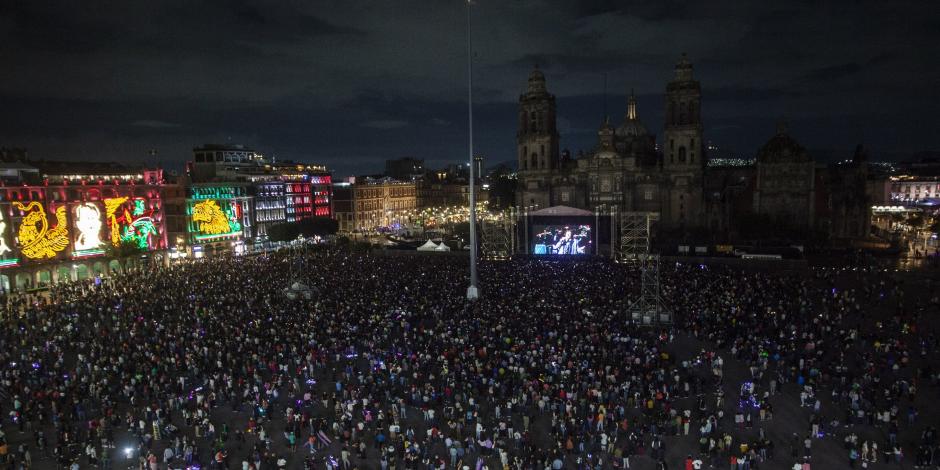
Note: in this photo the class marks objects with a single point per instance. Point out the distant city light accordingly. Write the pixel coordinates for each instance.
(730, 162)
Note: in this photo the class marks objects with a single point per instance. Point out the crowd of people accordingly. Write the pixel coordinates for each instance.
(386, 365)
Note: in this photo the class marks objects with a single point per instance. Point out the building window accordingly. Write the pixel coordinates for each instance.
(648, 195)
(681, 154)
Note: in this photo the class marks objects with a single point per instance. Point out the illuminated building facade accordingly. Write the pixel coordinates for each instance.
(276, 191)
(912, 190)
(373, 204)
(299, 200)
(295, 198)
(220, 218)
(63, 227)
(270, 207)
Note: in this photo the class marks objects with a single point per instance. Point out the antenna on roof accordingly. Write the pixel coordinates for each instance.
(605, 95)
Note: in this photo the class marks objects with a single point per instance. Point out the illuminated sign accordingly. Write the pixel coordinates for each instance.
(6, 253)
(211, 220)
(88, 225)
(37, 239)
(130, 220)
(215, 192)
(111, 207)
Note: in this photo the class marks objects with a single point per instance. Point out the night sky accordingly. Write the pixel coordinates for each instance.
(351, 83)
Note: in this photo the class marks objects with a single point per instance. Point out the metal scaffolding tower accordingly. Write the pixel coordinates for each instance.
(635, 232)
(497, 243)
(635, 235)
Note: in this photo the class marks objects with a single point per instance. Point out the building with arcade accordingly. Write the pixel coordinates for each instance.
(64, 221)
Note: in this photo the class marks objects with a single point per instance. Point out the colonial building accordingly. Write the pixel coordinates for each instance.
(848, 205)
(65, 220)
(277, 191)
(782, 188)
(785, 183)
(624, 170)
(372, 204)
(445, 189)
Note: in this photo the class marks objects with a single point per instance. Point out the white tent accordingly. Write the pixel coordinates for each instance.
(428, 246)
(442, 247)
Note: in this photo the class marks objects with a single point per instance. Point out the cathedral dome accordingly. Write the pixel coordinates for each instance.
(606, 154)
(782, 148)
(631, 128)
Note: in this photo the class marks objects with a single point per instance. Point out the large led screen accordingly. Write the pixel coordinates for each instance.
(562, 240)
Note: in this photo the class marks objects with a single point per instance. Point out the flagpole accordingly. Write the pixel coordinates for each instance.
(473, 292)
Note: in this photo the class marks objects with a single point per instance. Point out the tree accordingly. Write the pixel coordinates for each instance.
(321, 226)
(502, 193)
(283, 232)
(462, 230)
(287, 231)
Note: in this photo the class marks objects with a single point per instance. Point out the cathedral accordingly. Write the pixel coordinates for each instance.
(783, 193)
(625, 172)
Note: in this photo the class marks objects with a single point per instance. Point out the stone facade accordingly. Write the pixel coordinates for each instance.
(785, 183)
(625, 169)
(372, 204)
(785, 193)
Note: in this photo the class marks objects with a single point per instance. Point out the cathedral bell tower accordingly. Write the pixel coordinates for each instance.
(537, 139)
(683, 148)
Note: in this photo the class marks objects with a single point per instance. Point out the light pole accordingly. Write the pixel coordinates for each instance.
(597, 227)
(472, 292)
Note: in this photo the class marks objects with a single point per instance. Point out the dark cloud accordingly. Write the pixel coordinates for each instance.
(833, 72)
(55, 30)
(747, 94)
(153, 124)
(352, 82)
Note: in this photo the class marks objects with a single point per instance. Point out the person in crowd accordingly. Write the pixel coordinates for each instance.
(210, 362)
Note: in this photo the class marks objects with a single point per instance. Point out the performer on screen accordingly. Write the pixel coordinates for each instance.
(565, 244)
(580, 241)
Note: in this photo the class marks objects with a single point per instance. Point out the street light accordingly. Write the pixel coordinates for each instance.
(472, 292)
